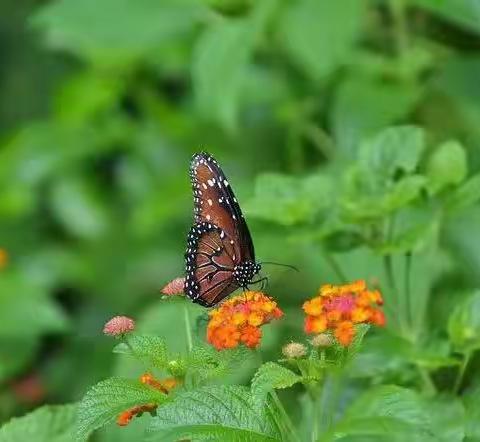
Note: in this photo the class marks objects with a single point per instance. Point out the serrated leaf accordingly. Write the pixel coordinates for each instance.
(319, 35)
(288, 200)
(268, 377)
(390, 401)
(446, 166)
(464, 324)
(466, 195)
(107, 399)
(207, 363)
(213, 413)
(46, 424)
(148, 348)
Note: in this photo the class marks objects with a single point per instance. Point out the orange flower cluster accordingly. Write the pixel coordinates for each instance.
(339, 308)
(163, 385)
(239, 319)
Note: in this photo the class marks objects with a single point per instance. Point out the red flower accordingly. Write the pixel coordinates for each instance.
(338, 308)
(238, 320)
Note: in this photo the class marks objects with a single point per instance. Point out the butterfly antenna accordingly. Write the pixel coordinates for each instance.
(281, 265)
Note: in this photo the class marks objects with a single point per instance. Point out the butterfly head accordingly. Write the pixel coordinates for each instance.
(244, 272)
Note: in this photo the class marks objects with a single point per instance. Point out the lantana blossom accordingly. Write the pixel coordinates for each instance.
(337, 309)
(238, 320)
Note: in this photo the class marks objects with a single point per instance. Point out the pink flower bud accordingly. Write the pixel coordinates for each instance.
(119, 325)
(175, 287)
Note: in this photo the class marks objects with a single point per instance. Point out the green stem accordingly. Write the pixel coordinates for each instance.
(335, 266)
(315, 413)
(429, 386)
(285, 417)
(188, 328)
(408, 308)
(461, 372)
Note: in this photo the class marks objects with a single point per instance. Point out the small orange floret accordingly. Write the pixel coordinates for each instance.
(3, 258)
(238, 320)
(163, 385)
(125, 417)
(344, 333)
(338, 308)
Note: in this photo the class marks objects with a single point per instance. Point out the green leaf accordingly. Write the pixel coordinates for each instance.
(26, 310)
(448, 418)
(77, 206)
(447, 166)
(466, 195)
(387, 413)
(472, 409)
(46, 424)
(107, 399)
(363, 106)
(268, 377)
(220, 60)
(217, 75)
(150, 349)
(390, 401)
(213, 413)
(288, 200)
(207, 363)
(464, 13)
(394, 149)
(403, 192)
(320, 35)
(116, 31)
(464, 324)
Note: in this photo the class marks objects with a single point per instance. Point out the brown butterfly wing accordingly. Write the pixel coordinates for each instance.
(210, 261)
(215, 203)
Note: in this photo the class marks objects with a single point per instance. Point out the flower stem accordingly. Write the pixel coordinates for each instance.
(408, 308)
(461, 372)
(430, 388)
(188, 328)
(285, 417)
(335, 266)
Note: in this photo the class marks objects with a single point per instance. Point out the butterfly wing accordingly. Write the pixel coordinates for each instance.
(215, 203)
(210, 261)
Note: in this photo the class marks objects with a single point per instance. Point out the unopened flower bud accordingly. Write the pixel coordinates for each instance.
(294, 350)
(322, 340)
(174, 287)
(119, 325)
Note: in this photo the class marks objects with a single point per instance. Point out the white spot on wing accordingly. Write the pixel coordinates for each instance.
(210, 202)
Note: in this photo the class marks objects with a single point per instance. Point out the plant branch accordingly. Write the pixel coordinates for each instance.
(461, 372)
(188, 328)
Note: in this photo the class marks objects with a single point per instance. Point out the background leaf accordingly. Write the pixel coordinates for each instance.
(46, 424)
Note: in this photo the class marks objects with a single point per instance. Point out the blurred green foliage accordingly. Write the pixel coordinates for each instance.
(348, 128)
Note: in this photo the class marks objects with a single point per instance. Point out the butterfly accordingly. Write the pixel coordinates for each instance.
(220, 256)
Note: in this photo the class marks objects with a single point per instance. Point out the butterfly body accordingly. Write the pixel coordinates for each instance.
(220, 255)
